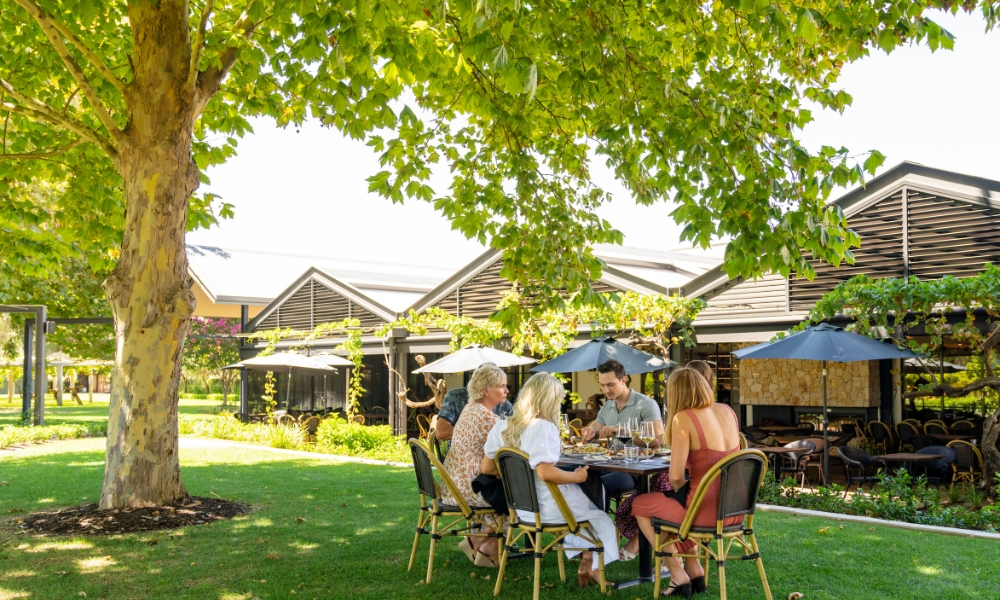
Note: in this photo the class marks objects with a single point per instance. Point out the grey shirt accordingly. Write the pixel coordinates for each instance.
(639, 406)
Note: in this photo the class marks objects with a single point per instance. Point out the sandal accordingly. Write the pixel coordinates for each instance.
(698, 585)
(683, 590)
(625, 556)
(466, 546)
(482, 560)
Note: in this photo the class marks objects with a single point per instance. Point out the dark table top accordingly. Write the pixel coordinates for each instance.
(779, 450)
(657, 465)
(777, 428)
(952, 436)
(908, 457)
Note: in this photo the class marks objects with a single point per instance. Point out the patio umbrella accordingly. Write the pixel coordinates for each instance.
(285, 362)
(332, 360)
(470, 357)
(598, 351)
(912, 365)
(826, 343)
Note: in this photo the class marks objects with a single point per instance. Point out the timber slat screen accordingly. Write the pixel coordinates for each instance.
(314, 304)
(765, 295)
(479, 296)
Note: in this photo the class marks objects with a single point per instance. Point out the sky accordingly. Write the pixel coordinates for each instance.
(304, 191)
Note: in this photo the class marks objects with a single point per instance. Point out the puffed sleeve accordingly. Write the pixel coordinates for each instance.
(494, 441)
(541, 442)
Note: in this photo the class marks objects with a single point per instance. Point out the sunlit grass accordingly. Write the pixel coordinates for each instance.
(357, 528)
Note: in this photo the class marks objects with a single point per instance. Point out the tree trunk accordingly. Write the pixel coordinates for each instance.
(150, 289)
(989, 447)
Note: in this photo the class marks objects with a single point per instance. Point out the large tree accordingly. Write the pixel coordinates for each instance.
(127, 103)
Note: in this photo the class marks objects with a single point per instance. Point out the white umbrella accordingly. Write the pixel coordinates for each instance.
(332, 360)
(470, 357)
(285, 362)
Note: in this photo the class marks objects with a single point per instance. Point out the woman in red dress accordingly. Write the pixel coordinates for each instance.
(700, 433)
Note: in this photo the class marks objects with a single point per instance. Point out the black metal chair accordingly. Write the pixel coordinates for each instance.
(880, 437)
(935, 427)
(923, 441)
(968, 465)
(855, 458)
(755, 434)
(432, 509)
(795, 462)
(519, 488)
(961, 426)
(808, 427)
(816, 460)
(938, 470)
(739, 477)
(906, 431)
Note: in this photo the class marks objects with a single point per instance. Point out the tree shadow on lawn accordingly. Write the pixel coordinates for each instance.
(338, 530)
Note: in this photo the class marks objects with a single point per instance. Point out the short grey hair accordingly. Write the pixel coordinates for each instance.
(483, 378)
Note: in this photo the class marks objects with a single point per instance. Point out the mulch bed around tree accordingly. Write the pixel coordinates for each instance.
(90, 520)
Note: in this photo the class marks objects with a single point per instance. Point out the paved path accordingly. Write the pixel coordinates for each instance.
(201, 443)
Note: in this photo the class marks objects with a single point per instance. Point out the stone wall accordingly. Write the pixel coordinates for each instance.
(774, 382)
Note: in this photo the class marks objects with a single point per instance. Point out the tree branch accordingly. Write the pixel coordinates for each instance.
(199, 41)
(953, 392)
(53, 34)
(209, 80)
(41, 111)
(91, 57)
(40, 155)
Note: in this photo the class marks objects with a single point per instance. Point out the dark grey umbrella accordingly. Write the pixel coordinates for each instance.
(597, 352)
(826, 343)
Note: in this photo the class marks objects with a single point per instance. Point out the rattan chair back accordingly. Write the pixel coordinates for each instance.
(961, 426)
(906, 431)
(446, 479)
(744, 442)
(575, 426)
(967, 456)
(913, 422)
(879, 432)
(740, 476)
(359, 419)
(518, 480)
(923, 441)
(932, 427)
(424, 469)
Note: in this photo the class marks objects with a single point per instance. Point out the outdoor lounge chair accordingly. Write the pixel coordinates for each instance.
(519, 487)
(855, 458)
(739, 477)
(968, 465)
(432, 510)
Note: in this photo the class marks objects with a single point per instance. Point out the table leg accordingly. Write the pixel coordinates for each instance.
(645, 548)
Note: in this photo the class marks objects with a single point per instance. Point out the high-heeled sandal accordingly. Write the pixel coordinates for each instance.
(585, 578)
(683, 590)
(466, 547)
(625, 556)
(483, 560)
(698, 585)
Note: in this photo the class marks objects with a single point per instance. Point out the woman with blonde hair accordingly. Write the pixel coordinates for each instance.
(534, 429)
(487, 390)
(700, 433)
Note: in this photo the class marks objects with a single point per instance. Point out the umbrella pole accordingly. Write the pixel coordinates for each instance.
(826, 427)
(288, 390)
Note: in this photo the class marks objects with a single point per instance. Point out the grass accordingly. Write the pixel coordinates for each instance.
(355, 542)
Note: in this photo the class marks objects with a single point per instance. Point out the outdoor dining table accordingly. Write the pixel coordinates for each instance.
(643, 471)
(787, 439)
(907, 457)
(947, 437)
(780, 428)
(375, 417)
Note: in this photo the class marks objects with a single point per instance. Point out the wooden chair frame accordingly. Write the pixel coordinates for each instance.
(519, 528)
(740, 535)
(433, 510)
(972, 476)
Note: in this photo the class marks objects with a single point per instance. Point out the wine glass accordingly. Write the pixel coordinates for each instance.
(624, 433)
(647, 435)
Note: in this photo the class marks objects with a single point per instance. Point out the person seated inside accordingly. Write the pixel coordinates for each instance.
(533, 428)
(700, 433)
(487, 389)
(627, 524)
(623, 404)
(452, 406)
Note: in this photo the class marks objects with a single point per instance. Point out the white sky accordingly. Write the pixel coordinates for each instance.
(305, 192)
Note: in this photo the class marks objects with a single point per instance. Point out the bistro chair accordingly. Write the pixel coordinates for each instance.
(285, 419)
(913, 422)
(359, 419)
(968, 465)
(739, 477)
(519, 488)
(906, 431)
(433, 510)
(935, 427)
(861, 431)
(880, 437)
(937, 470)
(756, 434)
(744, 442)
(815, 460)
(794, 462)
(923, 441)
(855, 458)
(311, 425)
(961, 426)
(424, 425)
(807, 427)
(575, 426)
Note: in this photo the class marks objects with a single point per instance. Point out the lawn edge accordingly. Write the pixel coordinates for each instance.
(804, 512)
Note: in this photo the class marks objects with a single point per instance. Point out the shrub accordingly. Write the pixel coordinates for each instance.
(338, 436)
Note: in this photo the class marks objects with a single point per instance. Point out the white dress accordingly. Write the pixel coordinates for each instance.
(540, 441)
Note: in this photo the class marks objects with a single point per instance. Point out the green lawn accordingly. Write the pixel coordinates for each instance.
(71, 412)
(356, 537)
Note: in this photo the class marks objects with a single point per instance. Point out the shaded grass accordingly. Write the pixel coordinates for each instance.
(70, 412)
(355, 542)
